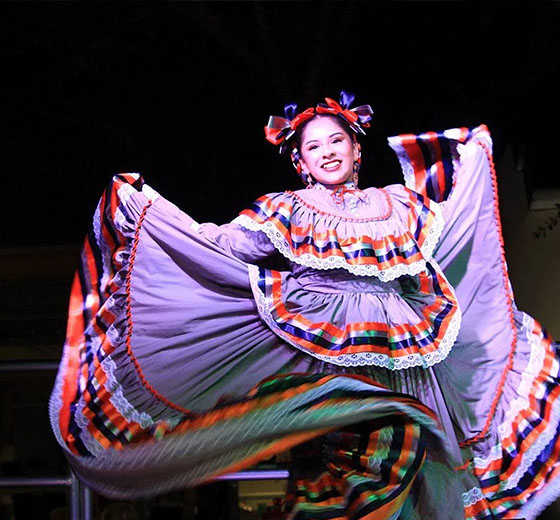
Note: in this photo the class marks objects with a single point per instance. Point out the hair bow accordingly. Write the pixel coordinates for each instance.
(357, 118)
(280, 130)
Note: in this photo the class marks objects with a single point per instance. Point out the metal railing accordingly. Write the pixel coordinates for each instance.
(80, 496)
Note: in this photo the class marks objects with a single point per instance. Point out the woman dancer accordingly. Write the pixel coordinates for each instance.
(185, 359)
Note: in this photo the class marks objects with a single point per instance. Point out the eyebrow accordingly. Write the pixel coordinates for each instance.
(332, 135)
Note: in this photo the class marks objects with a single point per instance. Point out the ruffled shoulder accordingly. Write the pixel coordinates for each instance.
(389, 232)
(431, 161)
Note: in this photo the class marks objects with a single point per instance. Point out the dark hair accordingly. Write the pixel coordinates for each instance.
(341, 123)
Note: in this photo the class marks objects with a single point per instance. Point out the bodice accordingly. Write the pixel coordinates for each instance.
(383, 233)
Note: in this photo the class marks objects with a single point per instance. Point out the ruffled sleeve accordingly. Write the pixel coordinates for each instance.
(248, 246)
(424, 219)
(501, 378)
(393, 235)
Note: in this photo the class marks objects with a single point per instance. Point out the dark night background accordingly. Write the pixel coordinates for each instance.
(181, 91)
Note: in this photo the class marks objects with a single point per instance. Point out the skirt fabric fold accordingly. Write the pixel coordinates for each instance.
(183, 363)
(170, 378)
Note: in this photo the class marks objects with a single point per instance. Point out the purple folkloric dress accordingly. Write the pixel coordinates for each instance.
(392, 347)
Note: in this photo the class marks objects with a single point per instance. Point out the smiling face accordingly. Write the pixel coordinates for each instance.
(327, 152)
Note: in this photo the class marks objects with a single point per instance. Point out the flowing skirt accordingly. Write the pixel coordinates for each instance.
(171, 377)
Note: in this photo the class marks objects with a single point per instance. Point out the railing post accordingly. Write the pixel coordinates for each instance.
(87, 503)
(80, 497)
(75, 497)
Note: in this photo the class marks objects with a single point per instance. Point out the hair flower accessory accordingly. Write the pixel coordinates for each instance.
(280, 130)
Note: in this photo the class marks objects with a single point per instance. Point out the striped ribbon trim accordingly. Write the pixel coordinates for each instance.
(363, 471)
(364, 343)
(274, 214)
(429, 160)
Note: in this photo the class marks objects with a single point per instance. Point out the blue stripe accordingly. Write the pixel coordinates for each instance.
(447, 163)
(372, 337)
(365, 251)
(427, 158)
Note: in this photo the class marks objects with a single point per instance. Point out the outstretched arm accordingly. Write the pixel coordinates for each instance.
(249, 246)
(455, 168)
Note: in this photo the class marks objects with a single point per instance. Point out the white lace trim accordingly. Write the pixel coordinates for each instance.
(336, 262)
(150, 193)
(434, 232)
(534, 366)
(123, 406)
(126, 190)
(105, 254)
(121, 403)
(55, 405)
(472, 496)
(539, 502)
(121, 221)
(541, 443)
(92, 445)
(124, 193)
(495, 453)
(408, 171)
(362, 358)
(55, 400)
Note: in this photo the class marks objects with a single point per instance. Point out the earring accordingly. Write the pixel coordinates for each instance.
(309, 181)
(356, 167)
(355, 171)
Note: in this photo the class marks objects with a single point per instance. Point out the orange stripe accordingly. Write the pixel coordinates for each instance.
(107, 236)
(104, 397)
(74, 338)
(440, 172)
(387, 243)
(88, 261)
(319, 486)
(477, 508)
(527, 413)
(273, 448)
(285, 315)
(239, 409)
(93, 430)
(404, 455)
